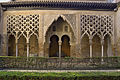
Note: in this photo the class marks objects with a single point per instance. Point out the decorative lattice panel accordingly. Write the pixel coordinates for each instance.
(100, 25)
(23, 25)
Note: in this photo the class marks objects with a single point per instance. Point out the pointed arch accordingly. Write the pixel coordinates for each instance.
(54, 46)
(65, 19)
(107, 46)
(85, 50)
(11, 45)
(65, 46)
(33, 45)
(22, 46)
(96, 44)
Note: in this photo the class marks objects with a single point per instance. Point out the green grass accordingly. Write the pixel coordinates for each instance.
(60, 74)
(4, 75)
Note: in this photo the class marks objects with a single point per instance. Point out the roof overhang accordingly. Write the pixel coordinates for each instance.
(61, 5)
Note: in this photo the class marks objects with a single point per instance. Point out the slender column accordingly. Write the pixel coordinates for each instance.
(16, 43)
(90, 42)
(16, 49)
(102, 47)
(102, 52)
(60, 43)
(27, 49)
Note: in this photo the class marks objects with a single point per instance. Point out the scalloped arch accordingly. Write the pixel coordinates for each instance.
(65, 19)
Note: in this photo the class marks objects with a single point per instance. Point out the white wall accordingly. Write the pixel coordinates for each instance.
(4, 0)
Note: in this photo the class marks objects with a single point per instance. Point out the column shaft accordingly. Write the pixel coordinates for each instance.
(27, 49)
(90, 50)
(102, 53)
(60, 49)
(90, 41)
(16, 49)
(102, 46)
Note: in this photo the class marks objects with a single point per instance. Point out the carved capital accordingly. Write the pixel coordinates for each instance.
(60, 43)
(102, 42)
(90, 41)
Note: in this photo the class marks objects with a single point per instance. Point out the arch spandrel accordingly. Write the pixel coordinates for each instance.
(48, 20)
(53, 18)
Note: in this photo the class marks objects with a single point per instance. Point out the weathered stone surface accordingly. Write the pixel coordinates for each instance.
(39, 38)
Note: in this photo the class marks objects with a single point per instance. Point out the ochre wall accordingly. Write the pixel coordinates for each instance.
(47, 17)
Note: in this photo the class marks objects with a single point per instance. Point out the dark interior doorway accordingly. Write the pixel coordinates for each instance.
(54, 46)
(65, 46)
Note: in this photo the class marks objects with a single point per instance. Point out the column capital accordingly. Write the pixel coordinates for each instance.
(102, 42)
(90, 41)
(60, 42)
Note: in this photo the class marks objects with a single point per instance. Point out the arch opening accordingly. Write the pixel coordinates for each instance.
(96, 44)
(34, 45)
(107, 46)
(85, 50)
(65, 46)
(22, 46)
(11, 46)
(54, 46)
(59, 27)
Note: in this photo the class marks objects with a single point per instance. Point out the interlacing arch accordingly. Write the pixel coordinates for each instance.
(23, 25)
(100, 25)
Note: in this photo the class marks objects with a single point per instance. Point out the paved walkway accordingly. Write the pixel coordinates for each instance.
(45, 71)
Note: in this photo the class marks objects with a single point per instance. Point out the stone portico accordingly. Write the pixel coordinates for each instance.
(59, 29)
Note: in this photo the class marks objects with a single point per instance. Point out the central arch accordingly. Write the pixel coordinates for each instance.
(59, 34)
(55, 19)
(54, 47)
(65, 46)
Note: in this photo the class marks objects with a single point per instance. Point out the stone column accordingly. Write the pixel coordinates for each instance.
(27, 49)
(90, 42)
(16, 43)
(16, 49)
(60, 49)
(102, 47)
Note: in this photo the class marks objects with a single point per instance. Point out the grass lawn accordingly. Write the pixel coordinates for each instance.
(4, 75)
(60, 74)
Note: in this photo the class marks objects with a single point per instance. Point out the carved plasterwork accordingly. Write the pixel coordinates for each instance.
(100, 25)
(18, 25)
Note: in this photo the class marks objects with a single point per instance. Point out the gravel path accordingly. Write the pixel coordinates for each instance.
(45, 71)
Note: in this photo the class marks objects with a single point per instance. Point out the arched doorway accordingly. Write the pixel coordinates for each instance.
(107, 46)
(59, 27)
(33, 45)
(96, 43)
(54, 46)
(65, 46)
(85, 47)
(11, 46)
(22, 46)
